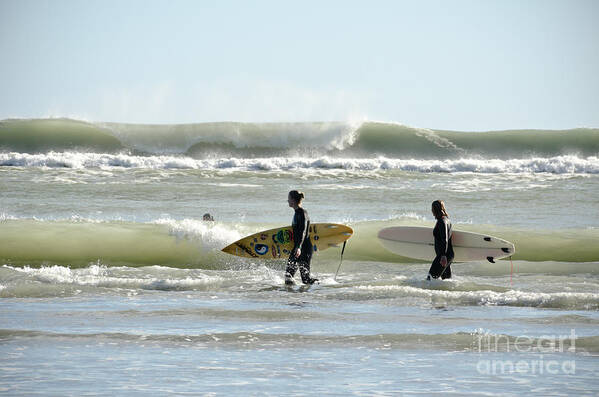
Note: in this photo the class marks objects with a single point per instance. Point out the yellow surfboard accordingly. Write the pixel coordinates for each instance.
(278, 243)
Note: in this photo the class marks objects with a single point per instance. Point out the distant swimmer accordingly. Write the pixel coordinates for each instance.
(441, 266)
(301, 254)
(208, 217)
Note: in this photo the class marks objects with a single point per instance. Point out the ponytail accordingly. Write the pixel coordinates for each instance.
(439, 209)
(297, 196)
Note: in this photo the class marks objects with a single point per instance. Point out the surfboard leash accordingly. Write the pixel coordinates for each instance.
(340, 261)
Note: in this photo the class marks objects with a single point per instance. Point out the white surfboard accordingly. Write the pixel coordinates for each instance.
(419, 243)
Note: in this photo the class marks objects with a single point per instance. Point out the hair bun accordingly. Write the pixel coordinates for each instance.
(297, 195)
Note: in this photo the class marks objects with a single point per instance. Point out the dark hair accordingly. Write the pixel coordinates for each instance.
(439, 209)
(297, 196)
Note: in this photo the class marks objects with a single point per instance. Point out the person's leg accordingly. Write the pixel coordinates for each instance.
(290, 271)
(435, 269)
(447, 272)
(304, 268)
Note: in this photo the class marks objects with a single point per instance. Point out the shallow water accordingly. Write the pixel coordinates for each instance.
(380, 329)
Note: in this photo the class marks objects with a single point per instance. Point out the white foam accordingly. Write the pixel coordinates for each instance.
(552, 165)
(488, 297)
(408, 215)
(101, 276)
(212, 235)
(5, 217)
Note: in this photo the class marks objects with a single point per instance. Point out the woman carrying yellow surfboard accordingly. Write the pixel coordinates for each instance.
(301, 254)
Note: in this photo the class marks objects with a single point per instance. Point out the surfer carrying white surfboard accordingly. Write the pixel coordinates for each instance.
(441, 266)
(301, 254)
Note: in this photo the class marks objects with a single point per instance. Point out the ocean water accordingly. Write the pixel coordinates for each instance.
(110, 283)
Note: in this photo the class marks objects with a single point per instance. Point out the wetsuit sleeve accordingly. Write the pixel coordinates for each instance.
(441, 237)
(299, 229)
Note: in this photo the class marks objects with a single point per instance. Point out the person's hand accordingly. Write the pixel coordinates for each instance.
(297, 252)
(443, 261)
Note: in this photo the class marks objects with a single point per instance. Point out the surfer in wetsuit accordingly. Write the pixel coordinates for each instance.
(441, 266)
(301, 254)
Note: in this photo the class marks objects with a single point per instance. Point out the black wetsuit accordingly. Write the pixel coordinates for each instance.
(301, 239)
(443, 247)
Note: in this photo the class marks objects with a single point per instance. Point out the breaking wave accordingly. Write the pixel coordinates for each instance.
(317, 139)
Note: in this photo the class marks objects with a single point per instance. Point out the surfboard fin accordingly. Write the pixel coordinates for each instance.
(490, 259)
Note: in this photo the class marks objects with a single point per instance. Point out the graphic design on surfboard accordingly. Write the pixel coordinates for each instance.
(278, 243)
(418, 243)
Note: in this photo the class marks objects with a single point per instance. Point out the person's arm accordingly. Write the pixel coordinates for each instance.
(438, 233)
(444, 243)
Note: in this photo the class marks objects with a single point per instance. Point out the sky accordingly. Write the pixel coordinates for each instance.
(458, 65)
